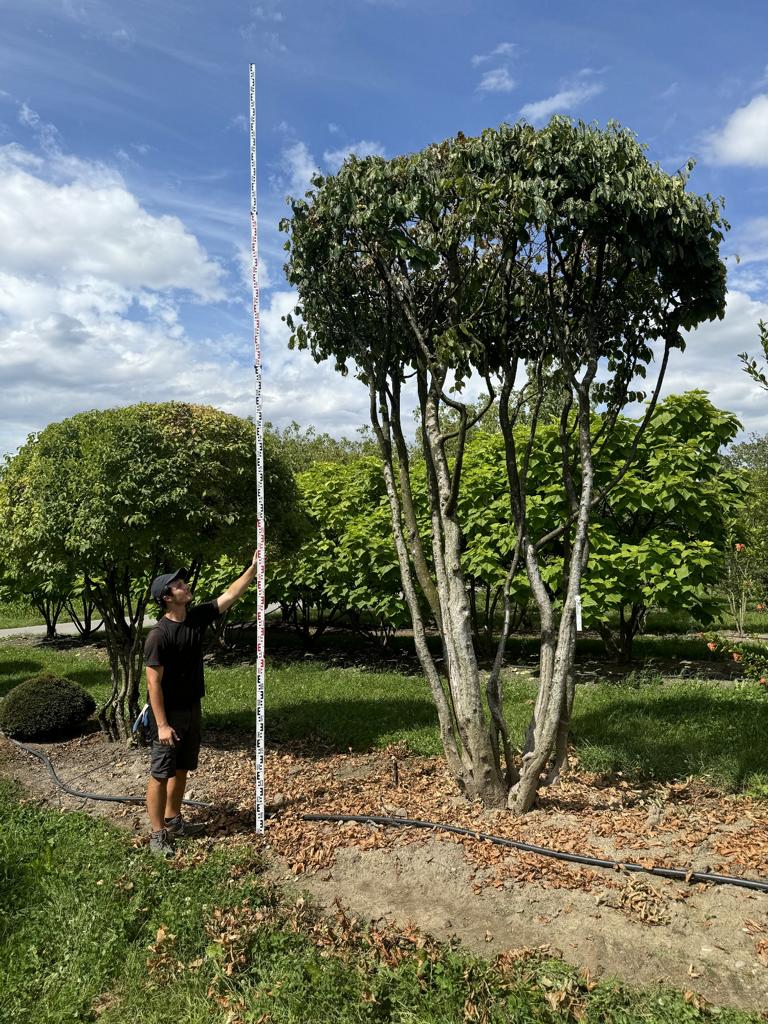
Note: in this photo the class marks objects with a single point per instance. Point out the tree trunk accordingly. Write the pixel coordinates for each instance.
(125, 647)
(50, 609)
(482, 775)
(547, 736)
(81, 613)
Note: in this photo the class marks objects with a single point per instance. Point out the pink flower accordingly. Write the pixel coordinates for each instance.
(736, 657)
(740, 547)
(712, 647)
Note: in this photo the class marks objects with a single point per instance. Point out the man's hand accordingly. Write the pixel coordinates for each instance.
(166, 734)
(255, 559)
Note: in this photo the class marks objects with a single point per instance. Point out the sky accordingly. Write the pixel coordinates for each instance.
(124, 172)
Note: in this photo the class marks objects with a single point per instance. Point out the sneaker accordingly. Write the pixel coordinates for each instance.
(178, 828)
(161, 844)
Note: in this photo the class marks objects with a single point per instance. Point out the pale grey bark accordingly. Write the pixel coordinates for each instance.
(380, 419)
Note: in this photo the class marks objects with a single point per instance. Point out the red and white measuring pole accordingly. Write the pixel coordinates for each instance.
(260, 536)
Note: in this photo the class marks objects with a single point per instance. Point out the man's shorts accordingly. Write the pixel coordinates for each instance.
(167, 759)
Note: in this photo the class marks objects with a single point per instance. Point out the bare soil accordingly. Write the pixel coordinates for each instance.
(705, 939)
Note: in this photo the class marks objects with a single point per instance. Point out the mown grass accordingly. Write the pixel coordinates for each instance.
(648, 732)
(18, 613)
(93, 929)
(14, 614)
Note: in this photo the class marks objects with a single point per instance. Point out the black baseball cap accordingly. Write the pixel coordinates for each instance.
(161, 582)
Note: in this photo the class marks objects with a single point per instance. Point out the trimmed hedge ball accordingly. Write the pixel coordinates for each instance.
(44, 705)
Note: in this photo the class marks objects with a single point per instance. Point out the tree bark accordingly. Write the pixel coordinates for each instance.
(547, 736)
(123, 623)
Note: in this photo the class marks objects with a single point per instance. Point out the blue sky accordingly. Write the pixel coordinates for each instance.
(124, 224)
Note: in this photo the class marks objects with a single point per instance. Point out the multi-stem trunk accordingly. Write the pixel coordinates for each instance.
(462, 720)
(123, 622)
(546, 741)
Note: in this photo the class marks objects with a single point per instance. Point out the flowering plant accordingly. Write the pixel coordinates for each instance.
(752, 655)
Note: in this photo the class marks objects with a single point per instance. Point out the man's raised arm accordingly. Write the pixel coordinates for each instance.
(235, 590)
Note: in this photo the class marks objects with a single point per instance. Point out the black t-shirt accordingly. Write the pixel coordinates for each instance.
(178, 647)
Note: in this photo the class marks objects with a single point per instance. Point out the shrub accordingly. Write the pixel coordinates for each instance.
(751, 654)
(44, 705)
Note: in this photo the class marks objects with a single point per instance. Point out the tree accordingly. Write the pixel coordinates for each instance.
(347, 567)
(121, 495)
(519, 254)
(302, 448)
(657, 540)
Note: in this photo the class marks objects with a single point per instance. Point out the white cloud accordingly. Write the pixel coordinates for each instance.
(365, 147)
(333, 403)
(498, 80)
(58, 365)
(751, 241)
(711, 362)
(268, 12)
(502, 50)
(743, 139)
(89, 290)
(94, 230)
(240, 122)
(298, 166)
(567, 99)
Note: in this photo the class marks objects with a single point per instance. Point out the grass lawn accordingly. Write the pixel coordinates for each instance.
(17, 613)
(659, 732)
(14, 614)
(92, 929)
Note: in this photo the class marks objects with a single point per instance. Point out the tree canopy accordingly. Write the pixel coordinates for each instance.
(517, 256)
(120, 495)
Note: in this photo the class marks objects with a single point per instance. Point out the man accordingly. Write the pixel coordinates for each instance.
(173, 655)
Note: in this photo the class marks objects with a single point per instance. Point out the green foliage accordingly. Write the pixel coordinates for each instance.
(117, 496)
(655, 542)
(15, 613)
(125, 490)
(746, 582)
(751, 655)
(44, 706)
(347, 563)
(301, 448)
(453, 215)
(215, 577)
(749, 363)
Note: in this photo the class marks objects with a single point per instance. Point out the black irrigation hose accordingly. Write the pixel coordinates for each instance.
(574, 858)
(680, 874)
(91, 796)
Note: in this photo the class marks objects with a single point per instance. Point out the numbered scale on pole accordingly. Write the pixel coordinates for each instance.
(260, 538)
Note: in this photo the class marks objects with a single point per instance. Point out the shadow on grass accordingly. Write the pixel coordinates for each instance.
(16, 671)
(660, 736)
(329, 726)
